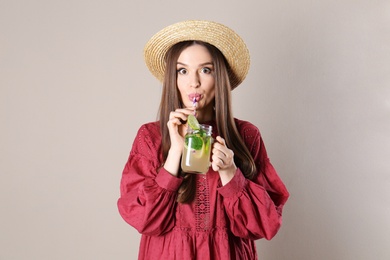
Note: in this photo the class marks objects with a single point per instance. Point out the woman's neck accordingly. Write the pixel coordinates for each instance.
(205, 115)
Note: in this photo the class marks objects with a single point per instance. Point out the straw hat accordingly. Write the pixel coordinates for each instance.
(225, 39)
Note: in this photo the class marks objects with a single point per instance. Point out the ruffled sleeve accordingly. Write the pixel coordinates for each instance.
(254, 207)
(148, 191)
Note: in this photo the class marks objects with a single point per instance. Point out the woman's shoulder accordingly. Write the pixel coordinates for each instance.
(246, 128)
(150, 128)
(147, 141)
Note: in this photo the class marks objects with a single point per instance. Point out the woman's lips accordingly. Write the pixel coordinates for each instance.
(194, 97)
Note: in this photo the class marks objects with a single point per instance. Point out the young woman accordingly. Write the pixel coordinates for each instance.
(219, 214)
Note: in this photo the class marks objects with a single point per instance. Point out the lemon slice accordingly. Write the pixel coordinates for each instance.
(199, 153)
(193, 122)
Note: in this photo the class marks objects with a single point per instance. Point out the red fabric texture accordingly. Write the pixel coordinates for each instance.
(221, 223)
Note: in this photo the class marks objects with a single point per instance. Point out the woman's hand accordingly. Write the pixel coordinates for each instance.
(177, 129)
(222, 160)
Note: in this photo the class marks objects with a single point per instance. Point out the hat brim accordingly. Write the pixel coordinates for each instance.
(225, 39)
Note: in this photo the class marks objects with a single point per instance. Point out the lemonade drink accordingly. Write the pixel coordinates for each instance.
(197, 148)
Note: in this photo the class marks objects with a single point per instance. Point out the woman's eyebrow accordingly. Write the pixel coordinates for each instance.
(202, 64)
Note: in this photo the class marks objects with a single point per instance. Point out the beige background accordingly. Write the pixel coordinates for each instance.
(74, 90)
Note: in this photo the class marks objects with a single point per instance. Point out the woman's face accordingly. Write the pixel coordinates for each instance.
(195, 78)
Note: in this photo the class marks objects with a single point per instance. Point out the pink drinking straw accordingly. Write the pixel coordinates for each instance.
(194, 105)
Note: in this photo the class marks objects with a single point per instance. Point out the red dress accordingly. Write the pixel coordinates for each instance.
(220, 224)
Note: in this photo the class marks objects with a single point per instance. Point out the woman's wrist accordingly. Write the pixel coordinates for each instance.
(227, 174)
(172, 162)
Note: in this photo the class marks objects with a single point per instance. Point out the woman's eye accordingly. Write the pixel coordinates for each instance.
(206, 70)
(182, 71)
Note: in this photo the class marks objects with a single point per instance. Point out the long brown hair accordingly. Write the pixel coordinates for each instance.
(226, 127)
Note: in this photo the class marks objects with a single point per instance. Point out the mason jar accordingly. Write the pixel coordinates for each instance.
(197, 150)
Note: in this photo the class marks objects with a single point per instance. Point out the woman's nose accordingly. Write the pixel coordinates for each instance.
(194, 80)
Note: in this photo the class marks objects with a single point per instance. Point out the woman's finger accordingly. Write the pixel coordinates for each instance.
(181, 114)
(222, 156)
